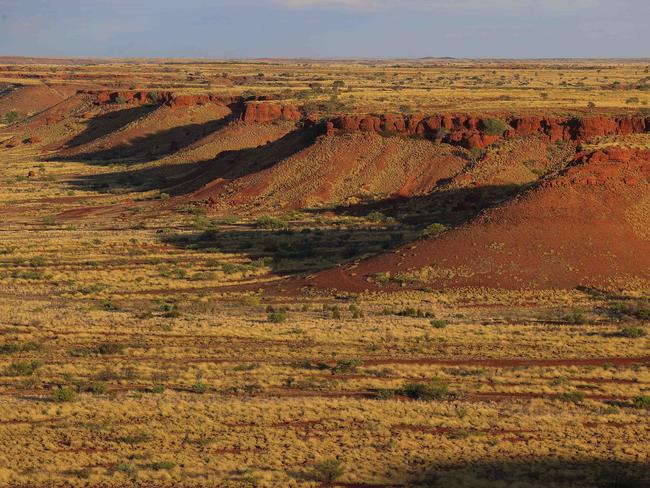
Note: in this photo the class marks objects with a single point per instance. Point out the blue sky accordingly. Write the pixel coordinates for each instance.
(325, 28)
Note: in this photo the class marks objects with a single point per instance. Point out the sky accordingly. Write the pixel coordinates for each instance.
(325, 28)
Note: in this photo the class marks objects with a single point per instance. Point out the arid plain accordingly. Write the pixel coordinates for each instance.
(309, 273)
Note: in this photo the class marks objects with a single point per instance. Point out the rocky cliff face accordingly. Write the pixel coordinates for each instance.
(258, 110)
(627, 165)
(269, 112)
(160, 97)
(471, 131)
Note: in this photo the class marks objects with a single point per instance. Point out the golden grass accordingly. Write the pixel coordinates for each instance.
(553, 86)
(183, 381)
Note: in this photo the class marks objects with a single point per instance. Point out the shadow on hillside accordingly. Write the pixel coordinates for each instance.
(591, 473)
(448, 206)
(532, 472)
(182, 179)
(306, 247)
(291, 251)
(151, 146)
(109, 122)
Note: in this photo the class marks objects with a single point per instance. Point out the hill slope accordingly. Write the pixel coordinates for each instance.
(586, 226)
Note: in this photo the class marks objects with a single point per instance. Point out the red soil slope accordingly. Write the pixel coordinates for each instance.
(155, 130)
(31, 99)
(590, 226)
(356, 159)
(340, 169)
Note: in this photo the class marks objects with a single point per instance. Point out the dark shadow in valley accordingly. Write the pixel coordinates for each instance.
(109, 122)
(537, 473)
(290, 251)
(182, 179)
(531, 472)
(148, 147)
(293, 247)
(447, 206)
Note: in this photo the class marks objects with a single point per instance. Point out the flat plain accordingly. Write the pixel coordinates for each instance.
(310, 273)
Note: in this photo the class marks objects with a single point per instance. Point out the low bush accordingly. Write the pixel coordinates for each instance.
(10, 117)
(327, 472)
(495, 127)
(577, 317)
(107, 348)
(277, 317)
(638, 309)
(63, 394)
(161, 465)
(199, 387)
(135, 438)
(24, 368)
(641, 402)
(632, 332)
(347, 366)
(435, 389)
(268, 222)
(433, 230)
(576, 397)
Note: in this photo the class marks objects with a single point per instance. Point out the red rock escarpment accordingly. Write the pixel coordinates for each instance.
(269, 112)
(252, 112)
(628, 165)
(470, 131)
(162, 97)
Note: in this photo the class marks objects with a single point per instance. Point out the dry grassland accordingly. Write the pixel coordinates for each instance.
(136, 351)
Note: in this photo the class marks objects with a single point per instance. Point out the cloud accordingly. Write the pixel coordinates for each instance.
(456, 5)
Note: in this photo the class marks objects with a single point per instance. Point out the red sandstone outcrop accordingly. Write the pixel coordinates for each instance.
(469, 131)
(269, 112)
(599, 167)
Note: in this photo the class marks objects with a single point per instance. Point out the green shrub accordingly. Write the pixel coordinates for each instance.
(385, 393)
(107, 304)
(576, 317)
(347, 366)
(160, 465)
(49, 220)
(268, 222)
(277, 317)
(572, 397)
(124, 467)
(13, 347)
(436, 389)
(495, 127)
(327, 472)
(632, 332)
(10, 117)
(24, 368)
(415, 313)
(199, 387)
(63, 394)
(98, 388)
(641, 402)
(136, 438)
(439, 323)
(109, 348)
(638, 309)
(433, 230)
(375, 216)
(381, 278)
